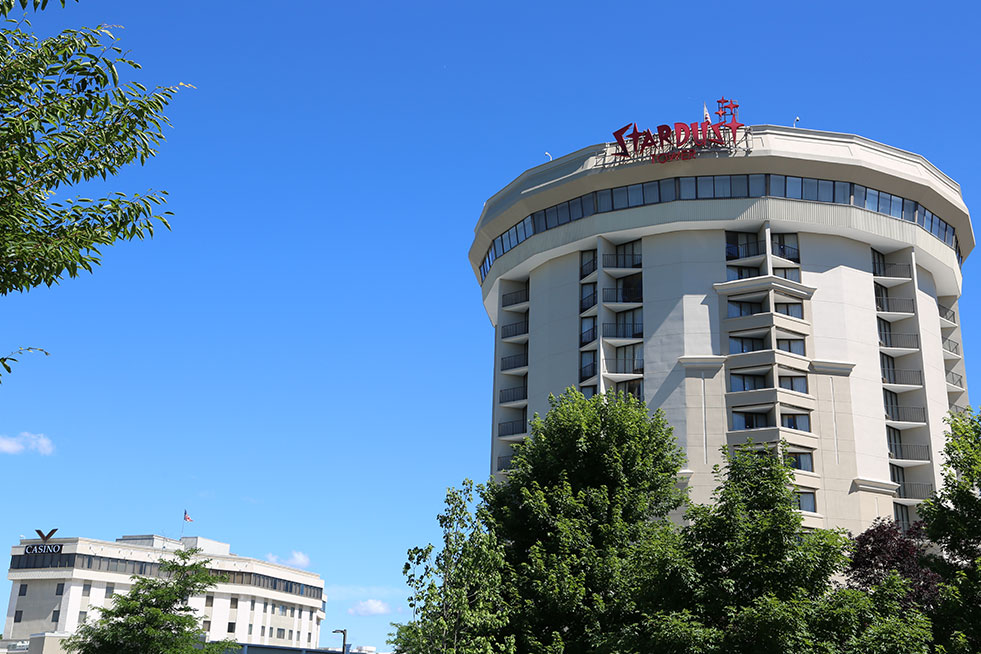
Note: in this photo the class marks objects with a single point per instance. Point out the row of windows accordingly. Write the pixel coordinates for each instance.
(742, 344)
(745, 272)
(742, 420)
(739, 308)
(719, 186)
(742, 382)
(146, 569)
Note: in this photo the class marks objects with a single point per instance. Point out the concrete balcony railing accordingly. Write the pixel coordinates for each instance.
(893, 339)
(514, 329)
(951, 346)
(947, 313)
(515, 394)
(904, 377)
(903, 270)
(915, 490)
(514, 361)
(515, 297)
(623, 330)
(512, 428)
(908, 452)
(906, 413)
(894, 304)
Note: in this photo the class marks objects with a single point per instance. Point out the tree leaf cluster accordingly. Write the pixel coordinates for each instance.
(154, 617)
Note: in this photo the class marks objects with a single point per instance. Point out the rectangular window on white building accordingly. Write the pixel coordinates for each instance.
(806, 501)
(110, 590)
(55, 615)
(60, 589)
(231, 627)
(22, 591)
(207, 625)
(86, 590)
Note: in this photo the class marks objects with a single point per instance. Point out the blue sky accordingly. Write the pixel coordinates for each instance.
(304, 363)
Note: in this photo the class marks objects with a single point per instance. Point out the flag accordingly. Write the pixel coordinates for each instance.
(706, 114)
(187, 518)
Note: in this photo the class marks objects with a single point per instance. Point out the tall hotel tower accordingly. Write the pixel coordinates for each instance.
(764, 283)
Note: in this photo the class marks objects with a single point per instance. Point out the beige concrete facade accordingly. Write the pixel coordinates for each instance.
(261, 603)
(828, 322)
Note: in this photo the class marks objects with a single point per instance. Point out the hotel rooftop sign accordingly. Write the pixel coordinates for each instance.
(685, 140)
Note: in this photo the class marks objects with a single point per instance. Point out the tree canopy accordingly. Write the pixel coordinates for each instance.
(154, 617)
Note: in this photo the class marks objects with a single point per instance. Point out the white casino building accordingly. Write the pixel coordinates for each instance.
(787, 284)
(261, 603)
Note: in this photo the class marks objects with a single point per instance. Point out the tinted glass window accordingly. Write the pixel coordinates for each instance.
(825, 191)
(588, 204)
(620, 197)
(635, 195)
(687, 187)
(705, 188)
(757, 186)
(842, 192)
(777, 186)
(722, 186)
(810, 189)
(794, 187)
(858, 195)
(667, 190)
(650, 193)
(739, 186)
(563, 213)
(604, 201)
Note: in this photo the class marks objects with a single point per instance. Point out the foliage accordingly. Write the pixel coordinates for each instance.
(153, 617)
(456, 598)
(587, 489)
(745, 576)
(65, 119)
(884, 548)
(952, 518)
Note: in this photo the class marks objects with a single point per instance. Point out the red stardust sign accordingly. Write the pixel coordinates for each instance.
(685, 140)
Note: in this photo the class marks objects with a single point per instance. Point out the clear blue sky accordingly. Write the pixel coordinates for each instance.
(304, 363)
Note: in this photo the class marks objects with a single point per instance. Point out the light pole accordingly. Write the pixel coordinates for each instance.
(343, 633)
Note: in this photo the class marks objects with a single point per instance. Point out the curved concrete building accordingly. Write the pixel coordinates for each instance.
(785, 284)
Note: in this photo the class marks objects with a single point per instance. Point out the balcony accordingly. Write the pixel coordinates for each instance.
(898, 270)
(624, 261)
(948, 314)
(956, 380)
(504, 462)
(514, 298)
(628, 367)
(516, 394)
(902, 377)
(512, 428)
(788, 252)
(622, 296)
(514, 329)
(894, 304)
(951, 347)
(914, 490)
(587, 303)
(587, 268)
(514, 362)
(587, 371)
(587, 337)
(898, 341)
(906, 452)
(745, 250)
(906, 414)
(627, 331)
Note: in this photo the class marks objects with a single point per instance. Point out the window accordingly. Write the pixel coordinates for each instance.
(587, 296)
(587, 262)
(292, 611)
(778, 186)
(628, 359)
(587, 364)
(231, 627)
(745, 420)
(793, 274)
(801, 461)
(740, 344)
(629, 289)
(110, 590)
(785, 247)
(86, 589)
(842, 192)
(252, 607)
(667, 190)
(82, 615)
(207, 625)
(740, 382)
(757, 186)
(792, 309)
(635, 195)
(794, 187)
(651, 195)
(209, 600)
(291, 634)
(265, 607)
(723, 187)
(633, 387)
(900, 513)
(309, 637)
(22, 591)
(810, 190)
(741, 272)
(806, 501)
(687, 187)
(825, 190)
(794, 383)
(588, 391)
(18, 616)
(799, 421)
(250, 630)
(739, 186)
(282, 609)
(280, 633)
(738, 308)
(792, 345)
(740, 245)
(55, 615)
(262, 631)
(704, 188)
(60, 589)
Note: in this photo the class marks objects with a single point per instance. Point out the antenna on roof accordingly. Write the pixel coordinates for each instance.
(796, 120)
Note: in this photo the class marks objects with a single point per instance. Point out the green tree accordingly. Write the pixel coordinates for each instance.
(153, 617)
(744, 576)
(67, 118)
(594, 482)
(952, 518)
(456, 599)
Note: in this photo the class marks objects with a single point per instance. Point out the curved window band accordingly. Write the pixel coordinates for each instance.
(719, 187)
